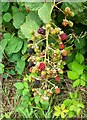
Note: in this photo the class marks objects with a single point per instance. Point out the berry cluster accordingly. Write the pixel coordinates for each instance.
(47, 60)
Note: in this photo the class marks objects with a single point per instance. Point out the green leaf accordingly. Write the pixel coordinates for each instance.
(25, 91)
(76, 7)
(78, 111)
(84, 77)
(62, 106)
(79, 58)
(18, 19)
(82, 82)
(62, 115)
(80, 105)
(7, 17)
(71, 95)
(76, 83)
(45, 12)
(3, 44)
(72, 75)
(37, 99)
(33, 6)
(24, 49)
(32, 23)
(72, 108)
(76, 67)
(20, 66)
(5, 6)
(14, 45)
(1, 68)
(19, 85)
(67, 102)
(80, 43)
(71, 114)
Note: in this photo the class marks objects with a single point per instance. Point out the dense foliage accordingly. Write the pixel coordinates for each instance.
(43, 46)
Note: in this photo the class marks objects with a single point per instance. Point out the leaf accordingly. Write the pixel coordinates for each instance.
(80, 43)
(84, 77)
(1, 68)
(3, 44)
(32, 23)
(14, 45)
(78, 111)
(20, 66)
(18, 19)
(71, 95)
(67, 102)
(62, 106)
(24, 49)
(62, 115)
(79, 58)
(25, 91)
(7, 17)
(72, 75)
(45, 12)
(72, 108)
(76, 83)
(76, 67)
(37, 99)
(19, 85)
(33, 6)
(5, 6)
(76, 7)
(82, 82)
(71, 114)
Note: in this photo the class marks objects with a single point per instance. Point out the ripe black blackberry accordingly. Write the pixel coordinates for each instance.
(31, 64)
(30, 42)
(65, 58)
(36, 83)
(30, 51)
(41, 31)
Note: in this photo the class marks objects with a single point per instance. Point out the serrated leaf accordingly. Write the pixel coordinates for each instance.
(18, 19)
(76, 83)
(33, 6)
(24, 49)
(45, 12)
(71, 114)
(79, 58)
(25, 91)
(14, 45)
(72, 75)
(32, 23)
(19, 85)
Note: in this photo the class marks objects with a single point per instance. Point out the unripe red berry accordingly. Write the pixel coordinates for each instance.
(42, 66)
(57, 90)
(63, 36)
(57, 78)
(61, 46)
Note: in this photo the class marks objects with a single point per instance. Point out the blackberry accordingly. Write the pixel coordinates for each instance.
(30, 51)
(41, 31)
(65, 58)
(31, 64)
(30, 42)
(36, 83)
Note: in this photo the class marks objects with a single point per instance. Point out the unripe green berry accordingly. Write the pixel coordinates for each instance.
(70, 23)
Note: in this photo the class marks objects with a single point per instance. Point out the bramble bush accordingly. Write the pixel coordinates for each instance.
(44, 45)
